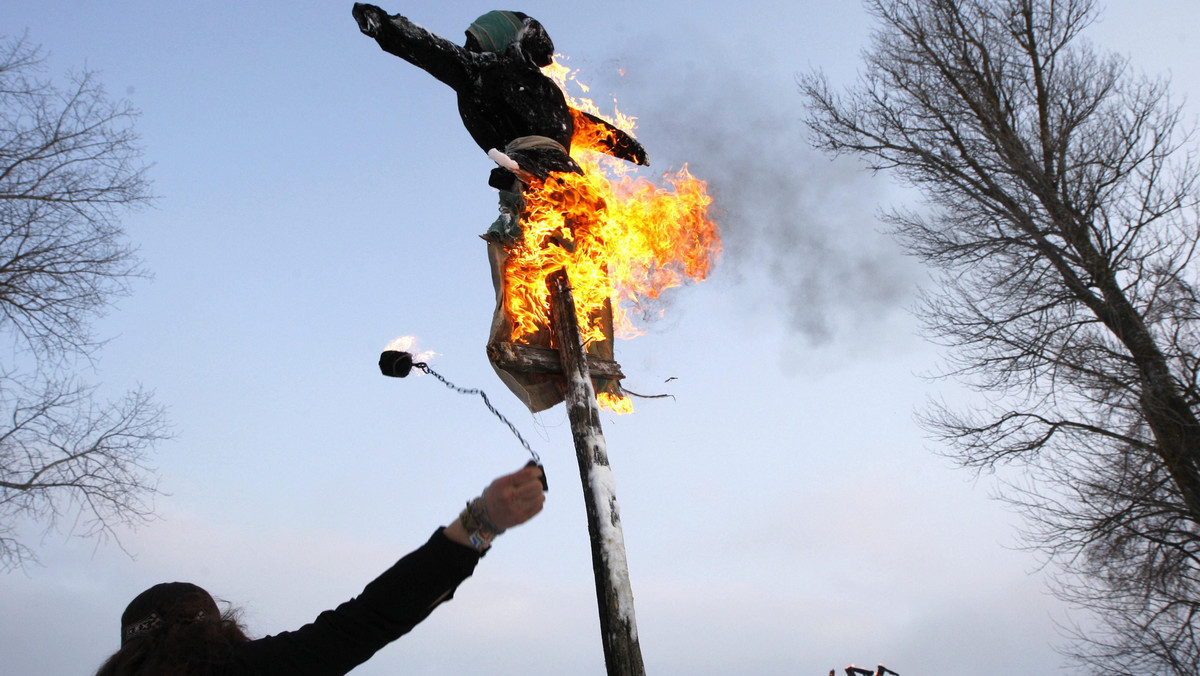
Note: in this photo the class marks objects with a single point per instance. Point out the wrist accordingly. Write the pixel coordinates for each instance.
(474, 527)
(456, 534)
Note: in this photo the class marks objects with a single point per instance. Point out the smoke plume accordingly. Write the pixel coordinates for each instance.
(794, 222)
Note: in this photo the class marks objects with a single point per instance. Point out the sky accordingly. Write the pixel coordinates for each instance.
(783, 512)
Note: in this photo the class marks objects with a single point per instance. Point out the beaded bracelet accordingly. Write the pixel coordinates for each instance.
(479, 510)
(480, 529)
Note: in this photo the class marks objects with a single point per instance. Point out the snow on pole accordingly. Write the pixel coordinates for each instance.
(614, 594)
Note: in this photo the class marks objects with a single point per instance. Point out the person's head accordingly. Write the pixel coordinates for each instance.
(497, 31)
(172, 628)
(166, 604)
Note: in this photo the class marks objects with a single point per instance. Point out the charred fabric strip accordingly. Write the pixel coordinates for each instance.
(396, 364)
(631, 393)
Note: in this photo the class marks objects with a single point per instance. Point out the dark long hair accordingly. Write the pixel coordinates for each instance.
(181, 647)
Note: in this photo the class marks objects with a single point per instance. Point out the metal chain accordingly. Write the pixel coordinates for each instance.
(486, 402)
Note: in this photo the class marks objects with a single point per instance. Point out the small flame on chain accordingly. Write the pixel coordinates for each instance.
(407, 344)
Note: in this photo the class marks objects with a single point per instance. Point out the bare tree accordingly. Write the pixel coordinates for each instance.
(1061, 223)
(69, 167)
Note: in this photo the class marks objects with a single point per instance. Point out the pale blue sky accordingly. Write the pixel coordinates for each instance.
(782, 515)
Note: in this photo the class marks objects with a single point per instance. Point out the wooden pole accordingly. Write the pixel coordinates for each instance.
(614, 595)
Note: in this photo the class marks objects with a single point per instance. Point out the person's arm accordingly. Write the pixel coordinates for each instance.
(508, 501)
(395, 602)
(432, 53)
(389, 607)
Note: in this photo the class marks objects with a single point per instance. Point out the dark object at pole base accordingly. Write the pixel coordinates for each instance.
(395, 364)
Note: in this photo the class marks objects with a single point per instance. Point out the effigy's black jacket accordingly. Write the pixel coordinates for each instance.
(501, 96)
(342, 638)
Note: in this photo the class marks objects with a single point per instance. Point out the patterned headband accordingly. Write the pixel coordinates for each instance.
(149, 624)
(146, 625)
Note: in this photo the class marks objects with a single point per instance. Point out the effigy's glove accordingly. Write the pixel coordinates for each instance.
(370, 19)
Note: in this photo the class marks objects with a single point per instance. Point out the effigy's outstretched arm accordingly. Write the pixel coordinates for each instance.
(428, 51)
(598, 133)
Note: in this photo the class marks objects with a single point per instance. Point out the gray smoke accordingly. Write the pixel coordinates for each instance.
(792, 220)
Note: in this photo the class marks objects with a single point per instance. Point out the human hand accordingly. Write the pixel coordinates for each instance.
(515, 498)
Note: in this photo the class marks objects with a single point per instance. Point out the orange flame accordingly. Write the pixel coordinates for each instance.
(622, 238)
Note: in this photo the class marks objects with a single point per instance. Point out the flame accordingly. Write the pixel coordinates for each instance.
(616, 403)
(622, 238)
(408, 344)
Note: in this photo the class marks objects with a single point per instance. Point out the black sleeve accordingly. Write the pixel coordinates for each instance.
(592, 131)
(432, 53)
(389, 607)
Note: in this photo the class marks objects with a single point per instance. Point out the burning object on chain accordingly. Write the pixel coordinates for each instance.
(395, 363)
(398, 360)
(398, 363)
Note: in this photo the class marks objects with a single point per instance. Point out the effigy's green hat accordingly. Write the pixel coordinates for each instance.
(496, 30)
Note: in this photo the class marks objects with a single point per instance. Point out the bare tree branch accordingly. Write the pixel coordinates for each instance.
(1062, 225)
(63, 454)
(70, 166)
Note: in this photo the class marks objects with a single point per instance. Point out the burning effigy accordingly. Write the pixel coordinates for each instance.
(578, 241)
(567, 200)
